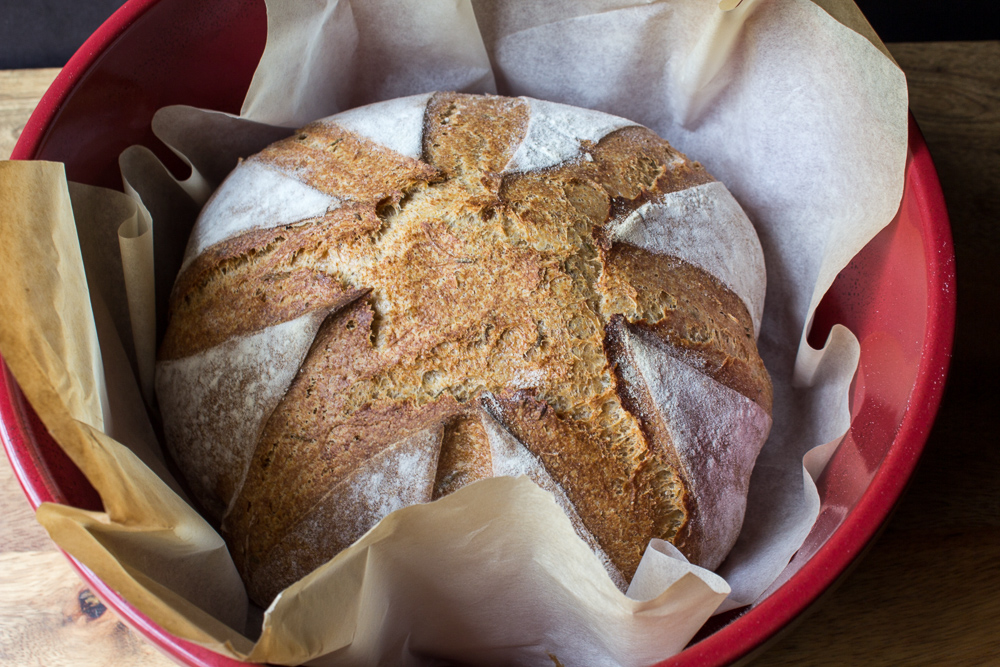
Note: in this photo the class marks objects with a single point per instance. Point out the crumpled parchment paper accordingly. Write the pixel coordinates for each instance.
(802, 116)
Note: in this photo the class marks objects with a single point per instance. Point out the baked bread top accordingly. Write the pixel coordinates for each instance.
(398, 301)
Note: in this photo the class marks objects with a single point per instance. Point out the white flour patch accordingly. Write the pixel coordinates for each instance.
(215, 403)
(400, 475)
(555, 132)
(254, 197)
(717, 433)
(704, 226)
(527, 379)
(396, 124)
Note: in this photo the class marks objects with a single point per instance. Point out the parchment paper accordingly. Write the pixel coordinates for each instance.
(802, 118)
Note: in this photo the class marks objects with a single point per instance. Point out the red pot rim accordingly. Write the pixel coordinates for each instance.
(75, 71)
(740, 637)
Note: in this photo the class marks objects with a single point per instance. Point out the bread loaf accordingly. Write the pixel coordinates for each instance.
(402, 299)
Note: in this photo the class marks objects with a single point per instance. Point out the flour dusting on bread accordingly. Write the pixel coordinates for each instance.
(557, 133)
(706, 227)
(255, 197)
(214, 403)
(397, 124)
(485, 295)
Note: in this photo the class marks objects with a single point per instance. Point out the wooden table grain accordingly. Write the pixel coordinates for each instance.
(927, 592)
(48, 617)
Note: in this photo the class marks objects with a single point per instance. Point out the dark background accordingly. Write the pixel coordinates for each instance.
(45, 33)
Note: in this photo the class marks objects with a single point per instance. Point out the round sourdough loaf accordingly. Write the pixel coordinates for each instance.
(405, 298)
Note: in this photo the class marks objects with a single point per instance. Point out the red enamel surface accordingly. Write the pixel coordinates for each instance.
(897, 296)
(149, 54)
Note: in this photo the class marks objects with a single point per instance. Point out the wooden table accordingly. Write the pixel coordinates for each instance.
(928, 592)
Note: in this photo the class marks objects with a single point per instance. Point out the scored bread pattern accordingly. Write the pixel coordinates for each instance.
(706, 227)
(396, 124)
(400, 475)
(255, 197)
(510, 458)
(708, 445)
(483, 292)
(229, 390)
(555, 133)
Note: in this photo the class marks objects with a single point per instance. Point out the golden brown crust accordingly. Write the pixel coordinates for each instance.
(308, 444)
(476, 281)
(633, 165)
(253, 281)
(465, 455)
(333, 160)
(480, 149)
(608, 483)
(660, 469)
(698, 320)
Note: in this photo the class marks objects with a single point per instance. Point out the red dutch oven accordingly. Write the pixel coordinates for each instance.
(897, 296)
